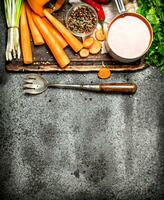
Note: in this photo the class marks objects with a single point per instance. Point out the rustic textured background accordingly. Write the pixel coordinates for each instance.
(66, 144)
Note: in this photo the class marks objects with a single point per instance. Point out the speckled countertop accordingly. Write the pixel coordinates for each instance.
(66, 144)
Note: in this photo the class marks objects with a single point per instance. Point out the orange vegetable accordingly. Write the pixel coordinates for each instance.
(96, 47)
(71, 39)
(36, 7)
(55, 34)
(104, 73)
(88, 42)
(37, 37)
(58, 4)
(100, 35)
(25, 38)
(41, 2)
(84, 53)
(57, 51)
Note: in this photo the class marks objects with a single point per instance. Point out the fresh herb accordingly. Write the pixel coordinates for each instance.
(12, 13)
(82, 20)
(153, 10)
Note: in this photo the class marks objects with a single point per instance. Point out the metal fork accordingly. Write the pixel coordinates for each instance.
(35, 84)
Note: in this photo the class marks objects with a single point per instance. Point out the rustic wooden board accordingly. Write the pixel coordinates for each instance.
(44, 61)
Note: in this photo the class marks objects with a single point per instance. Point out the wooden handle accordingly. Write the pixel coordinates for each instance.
(119, 88)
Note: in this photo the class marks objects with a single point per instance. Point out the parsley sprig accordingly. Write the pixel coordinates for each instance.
(153, 10)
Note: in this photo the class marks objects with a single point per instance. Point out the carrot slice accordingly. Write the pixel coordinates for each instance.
(55, 34)
(25, 38)
(69, 37)
(36, 35)
(104, 73)
(57, 51)
(100, 35)
(88, 42)
(96, 47)
(84, 53)
(36, 7)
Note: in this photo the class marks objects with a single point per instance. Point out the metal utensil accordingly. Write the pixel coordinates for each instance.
(35, 84)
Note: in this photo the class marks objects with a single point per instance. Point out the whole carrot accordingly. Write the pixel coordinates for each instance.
(36, 35)
(57, 51)
(55, 33)
(25, 38)
(71, 39)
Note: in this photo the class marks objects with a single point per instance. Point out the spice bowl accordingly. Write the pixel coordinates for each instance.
(81, 20)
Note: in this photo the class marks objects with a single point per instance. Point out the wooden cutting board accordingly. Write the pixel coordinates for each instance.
(45, 62)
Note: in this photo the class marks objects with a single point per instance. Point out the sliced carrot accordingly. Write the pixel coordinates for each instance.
(57, 51)
(100, 35)
(36, 35)
(84, 53)
(104, 73)
(55, 34)
(25, 38)
(96, 47)
(69, 37)
(36, 7)
(88, 42)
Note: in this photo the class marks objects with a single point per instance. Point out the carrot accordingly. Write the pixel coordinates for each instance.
(104, 73)
(88, 42)
(37, 37)
(100, 35)
(71, 39)
(55, 34)
(57, 51)
(42, 2)
(58, 4)
(36, 7)
(84, 53)
(25, 38)
(96, 47)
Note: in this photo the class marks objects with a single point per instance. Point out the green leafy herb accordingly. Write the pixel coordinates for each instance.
(153, 10)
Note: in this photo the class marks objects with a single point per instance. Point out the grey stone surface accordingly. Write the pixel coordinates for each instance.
(66, 144)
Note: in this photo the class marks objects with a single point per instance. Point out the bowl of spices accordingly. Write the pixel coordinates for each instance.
(81, 20)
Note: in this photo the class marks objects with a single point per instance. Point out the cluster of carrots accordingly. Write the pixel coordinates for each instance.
(45, 28)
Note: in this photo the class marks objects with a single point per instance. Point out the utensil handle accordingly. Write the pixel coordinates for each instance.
(108, 88)
(120, 6)
(119, 88)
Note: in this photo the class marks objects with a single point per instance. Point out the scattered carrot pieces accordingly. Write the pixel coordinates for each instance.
(100, 35)
(96, 47)
(25, 38)
(84, 53)
(104, 73)
(88, 42)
